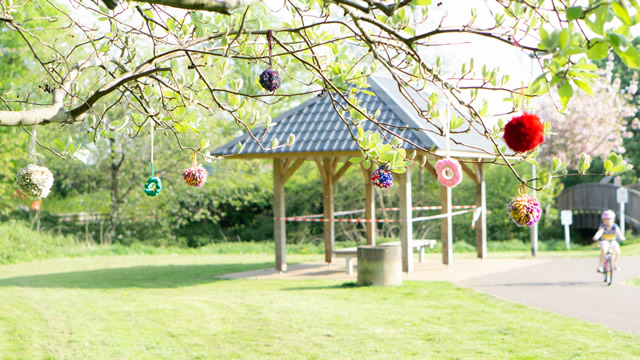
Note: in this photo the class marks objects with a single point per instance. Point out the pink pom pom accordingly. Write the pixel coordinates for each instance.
(449, 172)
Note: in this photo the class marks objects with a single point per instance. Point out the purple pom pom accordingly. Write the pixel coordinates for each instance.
(270, 80)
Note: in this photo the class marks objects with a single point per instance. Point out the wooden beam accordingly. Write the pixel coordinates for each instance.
(369, 206)
(321, 168)
(406, 221)
(292, 169)
(341, 172)
(279, 225)
(469, 172)
(431, 169)
(329, 212)
(481, 202)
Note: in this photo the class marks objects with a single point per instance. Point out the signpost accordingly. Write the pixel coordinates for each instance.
(566, 219)
(622, 196)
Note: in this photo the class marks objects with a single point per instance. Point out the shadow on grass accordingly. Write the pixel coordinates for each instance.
(346, 285)
(151, 277)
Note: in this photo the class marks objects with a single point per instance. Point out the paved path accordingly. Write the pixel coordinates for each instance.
(571, 287)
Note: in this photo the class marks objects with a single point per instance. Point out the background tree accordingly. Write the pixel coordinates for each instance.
(593, 123)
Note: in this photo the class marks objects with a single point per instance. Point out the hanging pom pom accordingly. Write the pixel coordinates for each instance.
(153, 186)
(449, 172)
(524, 132)
(524, 209)
(34, 181)
(196, 175)
(270, 80)
(382, 177)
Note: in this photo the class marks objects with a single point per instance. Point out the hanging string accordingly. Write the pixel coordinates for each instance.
(446, 135)
(269, 40)
(32, 146)
(152, 126)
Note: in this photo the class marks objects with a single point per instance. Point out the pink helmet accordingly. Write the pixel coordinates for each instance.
(608, 214)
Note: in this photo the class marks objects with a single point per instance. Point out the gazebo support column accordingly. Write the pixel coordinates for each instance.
(446, 227)
(330, 177)
(329, 209)
(406, 221)
(369, 206)
(279, 225)
(481, 202)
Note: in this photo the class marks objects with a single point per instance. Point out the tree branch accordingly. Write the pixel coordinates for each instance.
(219, 6)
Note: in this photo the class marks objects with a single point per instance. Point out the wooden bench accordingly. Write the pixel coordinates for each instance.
(350, 253)
(419, 244)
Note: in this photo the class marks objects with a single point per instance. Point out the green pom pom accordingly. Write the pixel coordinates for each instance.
(153, 186)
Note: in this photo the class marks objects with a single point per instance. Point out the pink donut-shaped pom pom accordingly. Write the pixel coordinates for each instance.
(449, 172)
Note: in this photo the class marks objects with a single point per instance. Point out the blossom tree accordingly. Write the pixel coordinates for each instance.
(593, 123)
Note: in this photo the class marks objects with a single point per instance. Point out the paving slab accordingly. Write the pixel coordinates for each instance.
(430, 270)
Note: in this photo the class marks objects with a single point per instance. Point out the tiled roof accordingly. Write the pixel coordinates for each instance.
(318, 128)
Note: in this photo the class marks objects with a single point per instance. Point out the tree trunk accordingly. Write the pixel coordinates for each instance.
(116, 197)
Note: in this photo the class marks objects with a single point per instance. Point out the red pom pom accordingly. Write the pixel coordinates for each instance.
(524, 132)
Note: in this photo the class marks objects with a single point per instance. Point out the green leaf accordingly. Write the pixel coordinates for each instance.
(292, 139)
(584, 163)
(598, 51)
(566, 92)
(617, 41)
(421, 2)
(355, 160)
(240, 147)
(631, 57)
(622, 13)
(608, 165)
(574, 12)
(60, 145)
(584, 86)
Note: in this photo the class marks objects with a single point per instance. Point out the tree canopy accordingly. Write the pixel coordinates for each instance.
(175, 63)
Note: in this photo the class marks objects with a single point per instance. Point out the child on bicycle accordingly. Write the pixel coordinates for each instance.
(608, 230)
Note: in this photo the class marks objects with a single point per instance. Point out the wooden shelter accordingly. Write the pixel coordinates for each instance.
(322, 137)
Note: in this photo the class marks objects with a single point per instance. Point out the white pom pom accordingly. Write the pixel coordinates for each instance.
(34, 181)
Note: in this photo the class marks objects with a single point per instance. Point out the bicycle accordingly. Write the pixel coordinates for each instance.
(609, 265)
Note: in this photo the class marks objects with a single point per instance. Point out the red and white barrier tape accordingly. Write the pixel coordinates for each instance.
(307, 218)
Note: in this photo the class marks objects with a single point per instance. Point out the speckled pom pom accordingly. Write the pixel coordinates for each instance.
(525, 210)
(382, 178)
(34, 181)
(196, 175)
(270, 80)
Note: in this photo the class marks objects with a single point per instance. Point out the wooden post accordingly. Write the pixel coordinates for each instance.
(446, 228)
(369, 206)
(406, 221)
(279, 227)
(481, 202)
(329, 213)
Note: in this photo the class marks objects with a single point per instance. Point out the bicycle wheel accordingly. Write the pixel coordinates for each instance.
(609, 270)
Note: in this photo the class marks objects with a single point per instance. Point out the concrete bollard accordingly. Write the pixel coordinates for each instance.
(380, 265)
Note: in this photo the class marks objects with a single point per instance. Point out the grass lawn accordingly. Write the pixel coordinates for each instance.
(177, 307)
